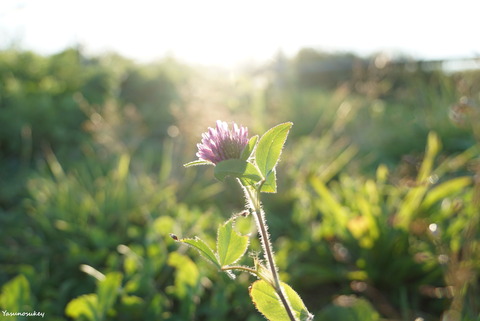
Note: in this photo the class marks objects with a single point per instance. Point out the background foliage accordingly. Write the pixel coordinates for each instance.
(376, 215)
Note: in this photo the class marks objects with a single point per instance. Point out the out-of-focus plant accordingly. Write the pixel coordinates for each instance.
(405, 244)
(252, 161)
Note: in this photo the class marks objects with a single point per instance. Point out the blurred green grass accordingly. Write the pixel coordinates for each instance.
(376, 214)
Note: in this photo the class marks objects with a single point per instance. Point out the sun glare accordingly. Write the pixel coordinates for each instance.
(219, 32)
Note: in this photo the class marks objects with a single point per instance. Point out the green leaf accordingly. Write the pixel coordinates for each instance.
(248, 150)
(204, 250)
(443, 190)
(270, 147)
(231, 246)
(431, 151)
(96, 306)
(85, 305)
(187, 276)
(16, 295)
(270, 184)
(197, 163)
(122, 167)
(108, 290)
(352, 310)
(411, 203)
(267, 302)
(247, 172)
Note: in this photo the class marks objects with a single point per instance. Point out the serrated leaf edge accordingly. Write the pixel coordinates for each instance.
(232, 221)
(202, 253)
(264, 170)
(197, 162)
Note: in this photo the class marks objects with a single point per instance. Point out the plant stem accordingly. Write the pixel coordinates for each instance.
(241, 268)
(254, 200)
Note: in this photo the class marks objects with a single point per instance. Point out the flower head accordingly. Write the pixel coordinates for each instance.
(221, 143)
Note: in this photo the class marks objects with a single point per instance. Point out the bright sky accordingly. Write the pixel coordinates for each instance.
(226, 32)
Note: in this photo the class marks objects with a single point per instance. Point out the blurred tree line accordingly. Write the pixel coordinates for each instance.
(45, 104)
(39, 102)
(399, 96)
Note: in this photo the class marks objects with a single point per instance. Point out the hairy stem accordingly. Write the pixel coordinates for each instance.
(254, 201)
(241, 268)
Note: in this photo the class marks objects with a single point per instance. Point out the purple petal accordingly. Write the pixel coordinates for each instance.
(222, 143)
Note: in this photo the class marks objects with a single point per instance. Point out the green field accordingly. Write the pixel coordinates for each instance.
(376, 216)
